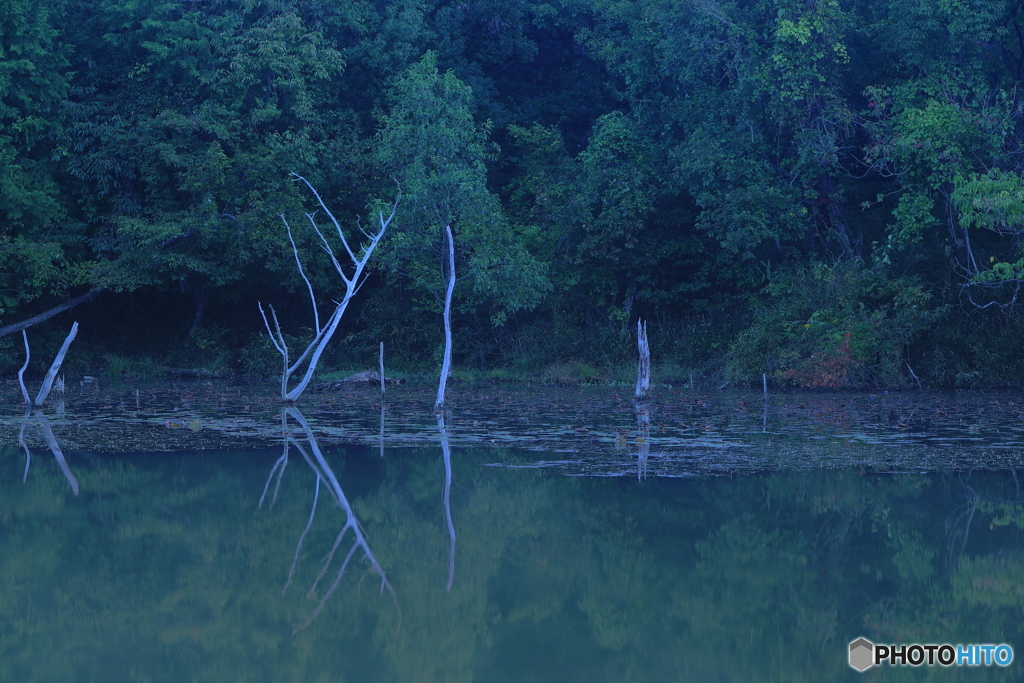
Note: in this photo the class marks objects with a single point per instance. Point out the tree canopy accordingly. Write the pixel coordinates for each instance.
(597, 161)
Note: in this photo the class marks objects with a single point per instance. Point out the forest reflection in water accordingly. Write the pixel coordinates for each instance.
(167, 567)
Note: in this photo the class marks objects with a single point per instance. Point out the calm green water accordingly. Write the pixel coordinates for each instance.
(547, 535)
(165, 568)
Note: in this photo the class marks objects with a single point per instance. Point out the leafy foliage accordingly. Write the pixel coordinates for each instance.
(597, 160)
(833, 328)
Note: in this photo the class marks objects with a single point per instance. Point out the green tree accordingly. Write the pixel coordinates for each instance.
(179, 138)
(33, 80)
(432, 146)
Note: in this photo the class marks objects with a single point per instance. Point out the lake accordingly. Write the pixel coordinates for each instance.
(192, 531)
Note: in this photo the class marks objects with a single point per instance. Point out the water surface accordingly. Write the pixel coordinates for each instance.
(697, 537)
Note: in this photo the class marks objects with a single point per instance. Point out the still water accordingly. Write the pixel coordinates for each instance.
(678, 541)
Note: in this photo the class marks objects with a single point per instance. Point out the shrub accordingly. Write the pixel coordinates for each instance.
(833, 327)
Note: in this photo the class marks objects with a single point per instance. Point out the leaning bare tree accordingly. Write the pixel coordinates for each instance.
(51, 375)
(36, 417)
(352, 276)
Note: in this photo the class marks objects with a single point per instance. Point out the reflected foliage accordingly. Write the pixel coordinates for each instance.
(166, 566)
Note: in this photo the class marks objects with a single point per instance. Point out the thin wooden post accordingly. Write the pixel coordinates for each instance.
(382, 370)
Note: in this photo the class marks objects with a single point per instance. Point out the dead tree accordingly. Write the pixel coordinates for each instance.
(352, 276)
(446, 365)
(643, 371)
(51, 375)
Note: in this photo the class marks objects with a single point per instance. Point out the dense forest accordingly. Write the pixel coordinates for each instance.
(824, 191)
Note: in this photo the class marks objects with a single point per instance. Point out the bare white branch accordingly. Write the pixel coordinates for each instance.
(51, 374)
(21, 373)
(327, 248)
(298, 262)
(337, 226)
(282, 349)
(44, 390)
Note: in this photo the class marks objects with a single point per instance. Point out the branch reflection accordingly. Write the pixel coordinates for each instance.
(446, 451)
(307, 445)
(643, 425)
(37, 418)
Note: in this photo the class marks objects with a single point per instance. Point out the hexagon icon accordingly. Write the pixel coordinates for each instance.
(862, 654)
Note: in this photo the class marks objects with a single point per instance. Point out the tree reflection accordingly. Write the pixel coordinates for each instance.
(446, 451)
(643, 425)
(314, 457)
(37, 418)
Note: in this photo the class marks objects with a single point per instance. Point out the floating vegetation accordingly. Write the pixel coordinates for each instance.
(594, 428)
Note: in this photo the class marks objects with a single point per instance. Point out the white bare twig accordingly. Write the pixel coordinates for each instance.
(337, 226)
(298, 262)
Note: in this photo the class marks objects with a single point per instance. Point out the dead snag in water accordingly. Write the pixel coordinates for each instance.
(643, 371)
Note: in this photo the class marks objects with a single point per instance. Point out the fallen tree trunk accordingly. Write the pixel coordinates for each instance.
(46, 315)
(367, 376)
